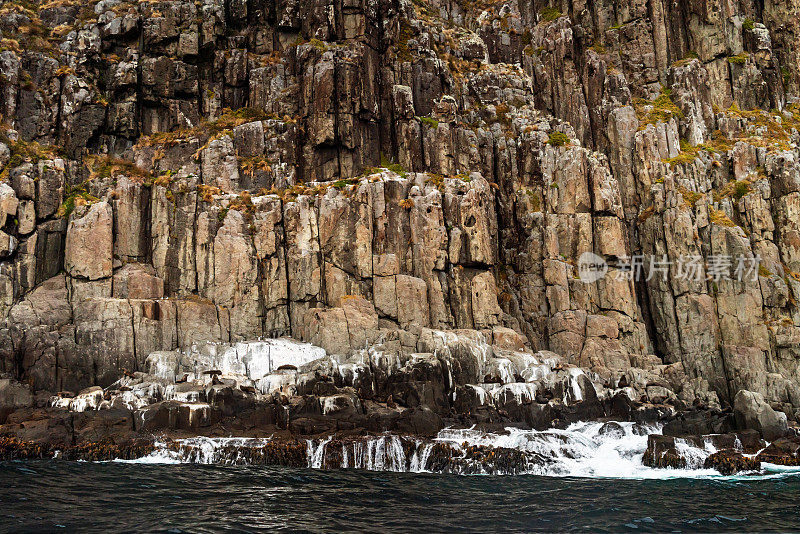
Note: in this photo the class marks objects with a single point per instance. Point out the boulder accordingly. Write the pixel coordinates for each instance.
(612, 429)
(752, 412)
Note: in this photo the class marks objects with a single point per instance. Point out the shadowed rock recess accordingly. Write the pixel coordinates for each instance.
(247, 217)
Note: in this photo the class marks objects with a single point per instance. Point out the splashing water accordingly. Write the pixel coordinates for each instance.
(316, 453)
(584, 450)
(384, 453)
(420, 458)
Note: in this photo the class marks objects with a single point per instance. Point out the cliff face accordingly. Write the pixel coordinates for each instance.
(361, 172)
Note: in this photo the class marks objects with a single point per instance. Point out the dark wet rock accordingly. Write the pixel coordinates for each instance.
(229, 400)
(612, 429)
(420, 383)
(40, 425)
(13, 395)
(477, 459)
(662, 452)
(729, 462)
(641, 429)
(108, 449)
(747, 442)
(699, 422)
(619, 406)
(102, 424)
(782, 451)
(750, 441)
(283, 452)
(92, 451)
(12, 448)
(420, 421)
(311, 426)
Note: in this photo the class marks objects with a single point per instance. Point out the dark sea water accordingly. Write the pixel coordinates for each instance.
(58, 496)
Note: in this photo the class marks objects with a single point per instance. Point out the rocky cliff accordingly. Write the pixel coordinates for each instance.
(419, 178)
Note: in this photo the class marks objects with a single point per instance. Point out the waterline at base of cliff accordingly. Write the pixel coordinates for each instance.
(583, 450)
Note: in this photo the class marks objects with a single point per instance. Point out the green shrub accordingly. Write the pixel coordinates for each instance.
(396, 168)
(738, 59)
(663, 109)
(74, 195)
(430, 121)
(558, 139)
(319, 45)
(549, 14)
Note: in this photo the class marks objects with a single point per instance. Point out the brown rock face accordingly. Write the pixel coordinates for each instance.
(406, 173)
(89, 242)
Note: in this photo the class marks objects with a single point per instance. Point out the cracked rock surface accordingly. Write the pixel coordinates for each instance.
(408, 187)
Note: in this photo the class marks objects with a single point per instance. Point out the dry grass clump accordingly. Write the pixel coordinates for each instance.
(662, 109)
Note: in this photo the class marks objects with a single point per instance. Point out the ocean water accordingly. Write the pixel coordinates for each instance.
(589, 480)
(59, 496)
